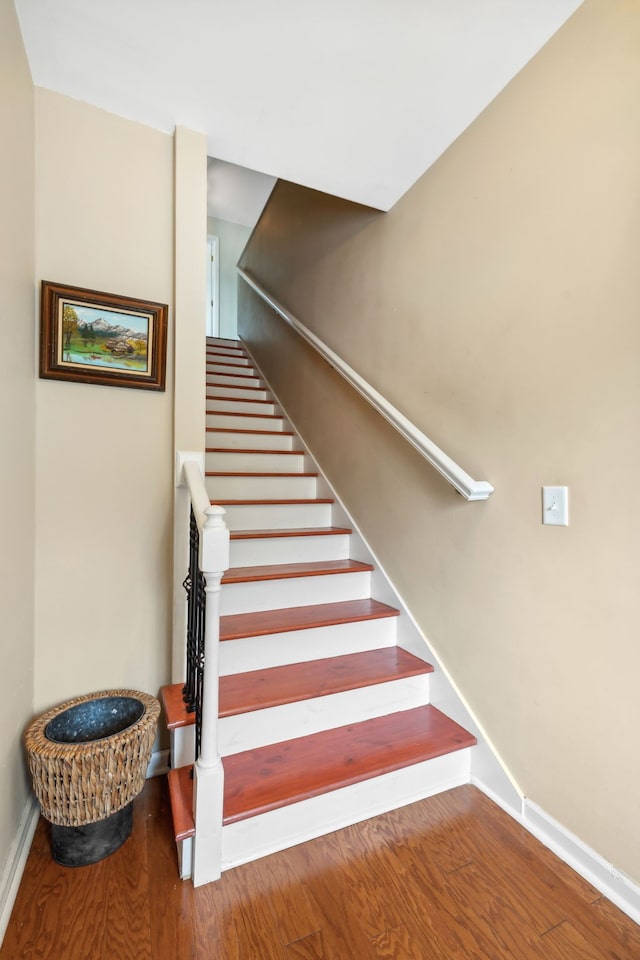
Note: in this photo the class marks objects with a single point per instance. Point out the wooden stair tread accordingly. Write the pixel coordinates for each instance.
(299, 532)
(280, 774)
(261, 433)
(232, 413)
(283, 571)
(254, 473)
(259, 689)
(232, 361)
(230, 503)
(305, 767)
(175, 709)
(275, 686)
(233, 386)
(214, 349)
(281, 453)
(181, 796)
(237, 376)
(287, 619)
(217, 354)
(222, 350)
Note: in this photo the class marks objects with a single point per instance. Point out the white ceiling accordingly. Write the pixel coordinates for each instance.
(353, 97)
(235, 193)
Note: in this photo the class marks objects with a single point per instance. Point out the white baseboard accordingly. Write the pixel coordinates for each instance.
(502, 799)
(19, 851)
(604, 876)
(16, 859)
(611, 882)
(158, 764)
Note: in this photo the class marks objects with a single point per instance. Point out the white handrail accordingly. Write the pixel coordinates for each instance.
(469, 488)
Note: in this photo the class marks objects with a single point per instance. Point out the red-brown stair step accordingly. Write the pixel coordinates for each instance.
(298, 532)
(280, 774)
(228, 359)
(236, 626)
(283, 571)
(267, 433)
(181, 796)
(174, 707)
(256, 781)
(254, 473)
(233, 386)
(232, 413)
(236, 376)
(225, 351)
(259, 689)
(223, 503)
(291, 683)
(282, 453)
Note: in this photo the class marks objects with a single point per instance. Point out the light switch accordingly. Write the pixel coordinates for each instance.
(555, 506)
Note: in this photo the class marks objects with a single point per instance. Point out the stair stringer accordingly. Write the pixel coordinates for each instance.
(487, 769)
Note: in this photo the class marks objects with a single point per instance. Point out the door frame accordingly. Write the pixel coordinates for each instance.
(212, 322)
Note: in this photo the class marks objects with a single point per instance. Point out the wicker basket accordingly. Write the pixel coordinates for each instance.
(85, 782)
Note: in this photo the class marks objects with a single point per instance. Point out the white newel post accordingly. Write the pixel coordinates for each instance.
(208, 771)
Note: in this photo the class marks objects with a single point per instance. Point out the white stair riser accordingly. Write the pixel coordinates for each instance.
(224, 400)
(300, 646)
(233, 380)
(261, 488)
(183, 746)
(268, 462)
(234, 360)
(185, 858)
(296, 823)
(266, 516)
(249, 553)
(230, 421)
(248, 731)
(220, 367)
(222, 391)
(269, 440)
(225, 342)
(293, 592)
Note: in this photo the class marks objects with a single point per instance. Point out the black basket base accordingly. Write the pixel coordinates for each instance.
(80, 846)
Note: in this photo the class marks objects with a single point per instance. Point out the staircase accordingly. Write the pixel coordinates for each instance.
(324, 719)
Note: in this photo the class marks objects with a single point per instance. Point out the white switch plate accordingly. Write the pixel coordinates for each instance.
(555, 506)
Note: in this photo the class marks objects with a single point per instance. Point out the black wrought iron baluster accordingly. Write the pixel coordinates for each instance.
(194, 584)
(189, 689)
(200, 604)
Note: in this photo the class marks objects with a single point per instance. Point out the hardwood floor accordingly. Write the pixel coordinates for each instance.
(449, 877)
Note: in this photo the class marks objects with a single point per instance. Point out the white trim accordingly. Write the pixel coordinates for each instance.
(604, 876)
(158, 764)
(213, 286)
(186, 456)
(469, 488)
(513, 808)
(16, 859)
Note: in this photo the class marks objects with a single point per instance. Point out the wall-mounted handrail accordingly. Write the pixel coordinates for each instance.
(469, 488)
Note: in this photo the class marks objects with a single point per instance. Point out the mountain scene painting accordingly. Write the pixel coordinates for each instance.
(102, 337)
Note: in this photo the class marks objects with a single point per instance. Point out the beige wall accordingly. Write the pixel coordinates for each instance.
(16, 420)
(104, 498)
(498, 305)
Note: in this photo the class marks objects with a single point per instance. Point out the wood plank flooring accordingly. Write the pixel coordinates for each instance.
(448, 878)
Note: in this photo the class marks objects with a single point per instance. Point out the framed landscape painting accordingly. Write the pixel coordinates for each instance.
(95, 337)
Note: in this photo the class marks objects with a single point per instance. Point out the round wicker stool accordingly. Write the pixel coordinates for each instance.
(88, 759)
